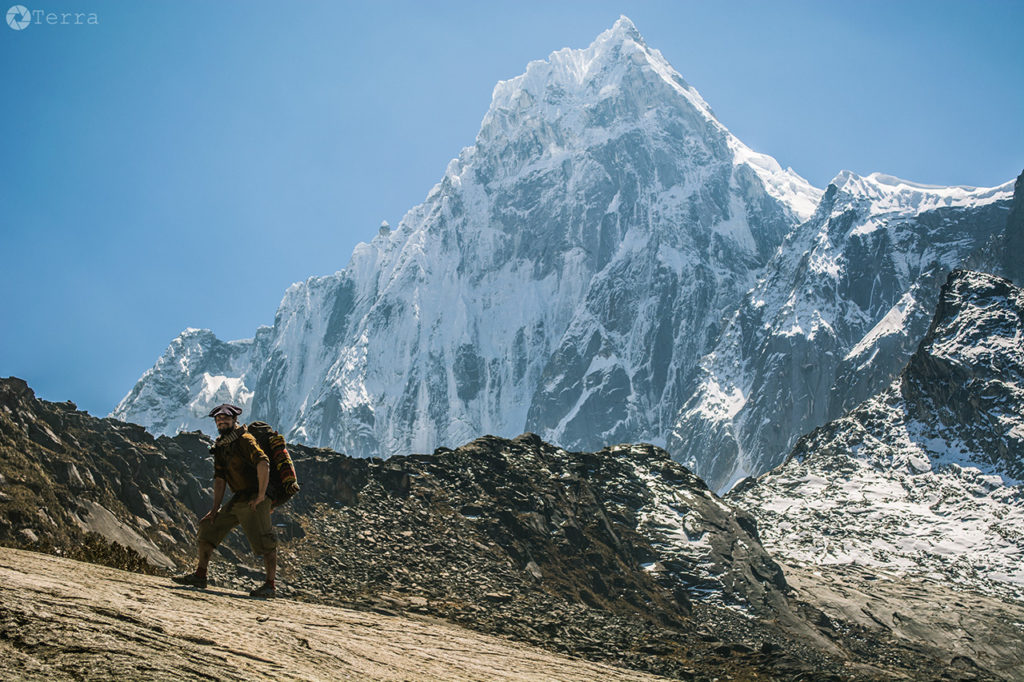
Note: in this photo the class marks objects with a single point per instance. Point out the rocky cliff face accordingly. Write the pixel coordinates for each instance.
(924, 478)
(966, 381)
(835, 318)
(65, 474)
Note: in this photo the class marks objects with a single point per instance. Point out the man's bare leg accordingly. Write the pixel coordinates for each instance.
(205, 552)
(270, 564)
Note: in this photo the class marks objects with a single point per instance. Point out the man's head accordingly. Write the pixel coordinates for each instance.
(226, 417)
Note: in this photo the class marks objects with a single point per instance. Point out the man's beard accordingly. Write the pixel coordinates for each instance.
(225, 430)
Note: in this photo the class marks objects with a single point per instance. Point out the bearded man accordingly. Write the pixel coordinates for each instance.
(239, 464)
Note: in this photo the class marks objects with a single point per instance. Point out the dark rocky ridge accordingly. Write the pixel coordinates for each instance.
(65, 473)
(968, 374)
(1013, 245)
(620, 556)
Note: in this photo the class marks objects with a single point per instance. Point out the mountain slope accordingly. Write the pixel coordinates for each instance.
(65, 474)
(926, 476)
(835, 317)
(595, 554)
(68, 620)
(606, 263)
(620, 556)
(564, 277)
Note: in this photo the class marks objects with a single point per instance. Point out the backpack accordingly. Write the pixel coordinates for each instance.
(283, 482)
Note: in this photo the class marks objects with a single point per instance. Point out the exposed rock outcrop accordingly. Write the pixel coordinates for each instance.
(65, 474)
(926, 477)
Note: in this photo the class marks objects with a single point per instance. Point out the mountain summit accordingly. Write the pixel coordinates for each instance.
(564, 277)
(606, 263)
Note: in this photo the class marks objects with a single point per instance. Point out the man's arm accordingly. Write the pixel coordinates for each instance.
(262, 464)
(263, 477)
(218, 497)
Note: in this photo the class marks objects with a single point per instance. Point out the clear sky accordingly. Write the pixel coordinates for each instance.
(179, 164)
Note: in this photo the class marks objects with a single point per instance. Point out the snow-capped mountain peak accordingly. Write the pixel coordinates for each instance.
(604, 64)
(600, 200)
(580, 88)
(602, 264)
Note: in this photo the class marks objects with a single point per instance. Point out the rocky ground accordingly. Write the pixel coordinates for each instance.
(64, 620)
(982, 635)
(619, 557)
(448, 535)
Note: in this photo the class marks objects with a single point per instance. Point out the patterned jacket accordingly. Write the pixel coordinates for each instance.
(235, 458)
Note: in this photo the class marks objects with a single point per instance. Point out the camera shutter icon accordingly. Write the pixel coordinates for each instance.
(18, 17)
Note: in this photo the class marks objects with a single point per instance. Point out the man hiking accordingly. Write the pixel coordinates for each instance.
(240, 464)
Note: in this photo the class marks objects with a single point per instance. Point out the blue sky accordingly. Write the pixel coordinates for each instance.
(179, 164)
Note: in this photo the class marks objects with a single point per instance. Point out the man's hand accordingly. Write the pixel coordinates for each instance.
(210, 515)
(255, 502)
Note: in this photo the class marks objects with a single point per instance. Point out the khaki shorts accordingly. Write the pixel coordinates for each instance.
(255, 524)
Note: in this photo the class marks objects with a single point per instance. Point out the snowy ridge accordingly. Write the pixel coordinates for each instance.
(785, 185)
(889, 193)
(197, 369)
(888, 196)
(925, 477)
(833, 319)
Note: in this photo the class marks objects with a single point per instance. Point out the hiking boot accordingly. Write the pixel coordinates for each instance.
(264, 591)
(191, 579)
